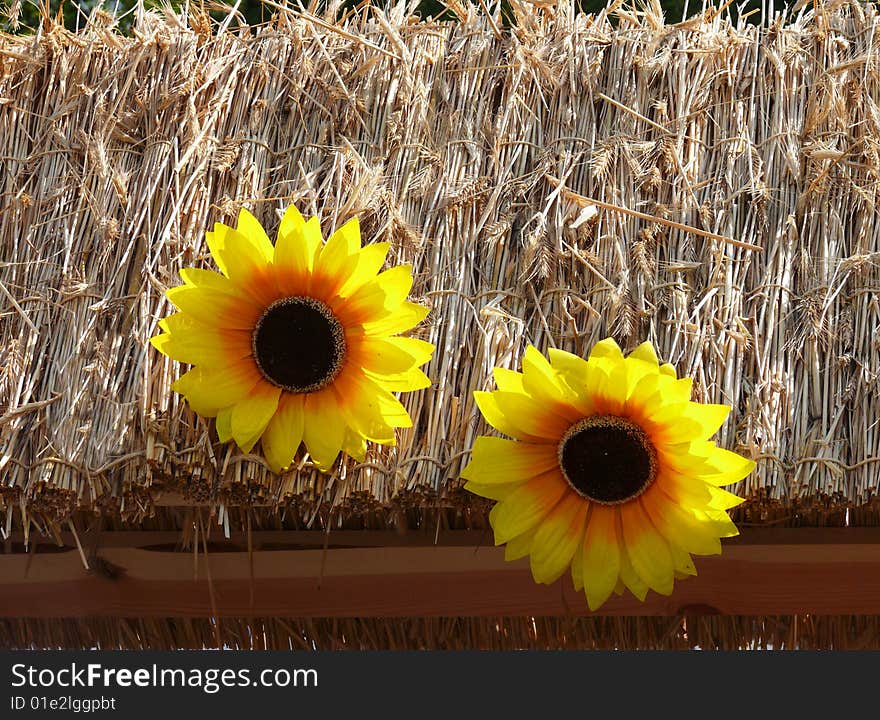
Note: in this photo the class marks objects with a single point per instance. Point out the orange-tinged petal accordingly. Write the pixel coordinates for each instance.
(284, 432)
(611, 390)
(601, 555)
(527, 506)
(498, 461)
(677, 423)
(560, 533)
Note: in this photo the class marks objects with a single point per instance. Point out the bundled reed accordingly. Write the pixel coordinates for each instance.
(798, 632)
(504, 163)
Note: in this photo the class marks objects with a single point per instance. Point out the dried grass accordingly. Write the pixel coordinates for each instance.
(447, 140)
(802, 632)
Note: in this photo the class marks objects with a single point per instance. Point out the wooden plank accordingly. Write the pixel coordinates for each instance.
(293, 539)
(748, 579)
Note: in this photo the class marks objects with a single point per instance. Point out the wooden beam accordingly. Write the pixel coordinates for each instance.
(748, 579)
(295, 539)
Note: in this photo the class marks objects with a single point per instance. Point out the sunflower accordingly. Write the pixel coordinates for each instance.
(611, 472)
(297, 342)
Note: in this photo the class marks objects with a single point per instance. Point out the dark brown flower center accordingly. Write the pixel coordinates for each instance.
(607, 459)
(299, 344)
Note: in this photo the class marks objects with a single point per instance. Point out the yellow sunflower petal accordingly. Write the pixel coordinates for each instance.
(538, 375)
(508, 380)
(209, 390)
(543, 383)
(408, 381)
(367, 264)
(646, 353)
(240, 258)
(682, 561)
(251, 416)
(527, 506)
(567, 363)
(296, 251)
(723, 500)
(324, 430)
(250, 227)
(198, 277)
(583, 379)
(215, 308)
(405, 317)
(629, 578)
(284, 432)
(557, 538)
(601, 556)
(532, 419)
(354, 445)
(646, 548)
(607, 349)
(681, 527)
(337, 260)
(520, 546)
(190, 342)
(224, 425)
(493, 491)
(668, 369)
(730, 467)
(377, 299)
(497, 418)
(390, 356)
(682, 422)
(495, 460)
(577, 567)
(369, 409)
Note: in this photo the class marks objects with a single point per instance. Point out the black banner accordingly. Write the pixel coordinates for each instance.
(225, 684)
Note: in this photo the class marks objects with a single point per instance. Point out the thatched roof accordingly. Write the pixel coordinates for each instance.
(750, 155)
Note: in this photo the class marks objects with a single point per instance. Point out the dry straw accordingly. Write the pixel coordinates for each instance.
(471, 148)
(504, 633)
